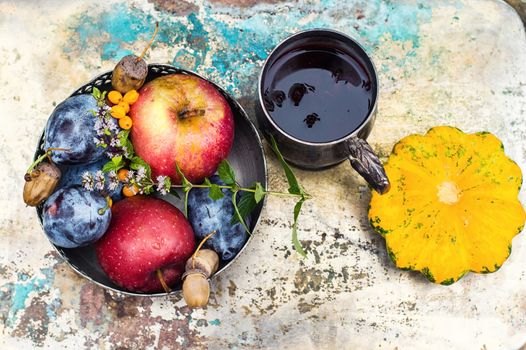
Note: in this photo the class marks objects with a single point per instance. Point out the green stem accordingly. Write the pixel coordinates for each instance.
(101, 211)
(41, 158)
(36, 162)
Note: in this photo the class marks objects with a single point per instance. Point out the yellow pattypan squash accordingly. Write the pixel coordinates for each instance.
(453, 206)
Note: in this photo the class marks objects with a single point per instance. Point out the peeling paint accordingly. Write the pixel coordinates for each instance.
(438, 63)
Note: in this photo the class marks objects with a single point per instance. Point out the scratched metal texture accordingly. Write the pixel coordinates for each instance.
(457, 62)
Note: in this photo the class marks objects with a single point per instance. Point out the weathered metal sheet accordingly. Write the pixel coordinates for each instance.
(451, 62)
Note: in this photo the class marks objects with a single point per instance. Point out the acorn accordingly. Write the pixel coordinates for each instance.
(205, 260)
(131, 71)
(199, 268)
(40, 183)
(129, 74)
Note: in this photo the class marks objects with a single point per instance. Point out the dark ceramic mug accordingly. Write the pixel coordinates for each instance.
(318, 155)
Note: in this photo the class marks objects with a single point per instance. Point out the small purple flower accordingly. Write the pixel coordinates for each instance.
(99, 127)
(88, 181)
(163, 184)
(112, 126)
(113, 181)
(99, 142)
(99, 180)
(141, 174)
(114, 142)
(125, 151)
(130, 175)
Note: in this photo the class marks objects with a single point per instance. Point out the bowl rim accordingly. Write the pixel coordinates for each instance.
(243, 113)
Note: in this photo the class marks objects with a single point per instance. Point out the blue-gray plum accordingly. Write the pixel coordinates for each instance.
(72, 126)
(206, 215)
(72, 175)
(72, 217)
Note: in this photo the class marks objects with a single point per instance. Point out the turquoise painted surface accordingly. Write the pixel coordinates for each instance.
(215, 322)
(14, 295)
(237, 48)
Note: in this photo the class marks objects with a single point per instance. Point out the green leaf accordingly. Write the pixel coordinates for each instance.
(295, 241)
(260, 192)
(215, 192)
(294, 186)
(246, 205)
(226, 173)
(129, 148)
(116, 160)
(207, 182)
(237, 210)
(167, 183)
(107, 132)
(147, 189)
(123, 136)
(96, 93)
(184, 181)
(109, 166)
(137, 162)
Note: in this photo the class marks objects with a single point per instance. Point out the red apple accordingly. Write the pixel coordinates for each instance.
(182, 119)
(145, 235)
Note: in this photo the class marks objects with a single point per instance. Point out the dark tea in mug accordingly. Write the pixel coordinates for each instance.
(318, 94)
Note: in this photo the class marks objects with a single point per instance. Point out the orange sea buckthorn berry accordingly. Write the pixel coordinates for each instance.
(109, 201)
(125, 123)
(131, 96)
(114, 97)
(130, 191)
(121, 174)
(125, 106)
(118, 111)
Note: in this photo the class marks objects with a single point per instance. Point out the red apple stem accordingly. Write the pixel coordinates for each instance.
(149, 43)
(189, 113)
(200, 245)
(163, 282)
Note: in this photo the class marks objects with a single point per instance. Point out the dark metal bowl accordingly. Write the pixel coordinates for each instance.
(246, 157)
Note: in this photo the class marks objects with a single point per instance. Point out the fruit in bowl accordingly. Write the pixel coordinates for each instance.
(71, 127)
(74, 217)
(182, 119)
(146, 245)
(160, 267)
(207, 215)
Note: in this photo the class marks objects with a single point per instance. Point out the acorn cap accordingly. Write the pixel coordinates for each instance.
(129, 74)
(40, 183)
(206, 261)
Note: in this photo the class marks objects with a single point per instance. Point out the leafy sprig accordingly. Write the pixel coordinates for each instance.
(250, 196)
(243, 206)
(294, 188)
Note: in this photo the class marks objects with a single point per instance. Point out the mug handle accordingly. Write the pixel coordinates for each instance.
(366, 163)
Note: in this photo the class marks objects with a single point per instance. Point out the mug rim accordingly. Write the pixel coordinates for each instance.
(356, 131)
